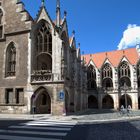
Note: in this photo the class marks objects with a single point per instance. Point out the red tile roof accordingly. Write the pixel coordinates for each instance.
(114, 57)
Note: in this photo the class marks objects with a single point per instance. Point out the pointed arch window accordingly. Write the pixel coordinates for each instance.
(106, 71)
(124, 74)
(1, 23)
(138, 74)
(91, 73)
(44, 39)
(124, 70)
(107, 76)
(11, 60)
(91, 77)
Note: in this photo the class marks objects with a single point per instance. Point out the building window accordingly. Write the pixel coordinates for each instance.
(43, 51)
(124, 70)
(8, 96)
(106, 71)
(124, 74)
(91, 77)
(1, 23)
(107, 76)
(91, 73)
(11, 60)
(138, 74)
(44, 39)
(19, 96)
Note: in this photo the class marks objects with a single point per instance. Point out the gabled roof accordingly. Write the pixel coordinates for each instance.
(114, 57)
(46, 13)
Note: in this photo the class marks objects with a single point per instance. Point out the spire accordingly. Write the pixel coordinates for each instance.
(43, 2)
(58, 13)
(73, 33)
(65, 14)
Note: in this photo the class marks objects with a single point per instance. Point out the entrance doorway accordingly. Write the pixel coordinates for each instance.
(92, 102)
(41, 102)
(107, 102)
(124, 101)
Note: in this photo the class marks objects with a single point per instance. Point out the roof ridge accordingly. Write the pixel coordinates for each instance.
(110, 51)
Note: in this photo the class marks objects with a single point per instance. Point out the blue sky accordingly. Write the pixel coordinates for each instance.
(99, 24)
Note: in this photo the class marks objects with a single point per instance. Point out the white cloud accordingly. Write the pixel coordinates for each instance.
(131, 36)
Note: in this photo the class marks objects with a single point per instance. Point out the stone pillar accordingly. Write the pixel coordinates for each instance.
(100, 100)
(135, 101)
(116, 101)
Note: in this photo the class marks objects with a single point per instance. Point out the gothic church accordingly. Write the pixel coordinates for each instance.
(40, 65)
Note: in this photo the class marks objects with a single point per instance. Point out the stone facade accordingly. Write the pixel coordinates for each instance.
(114, 80)
(40, 67)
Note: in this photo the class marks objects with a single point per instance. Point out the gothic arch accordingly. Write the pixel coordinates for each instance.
(107, 102)
(107, 76)
(43, 49)
(41, 101)
(1, 22)
(139, 102)
(124, 74)
(10, 65)
(107, 83)
(138, 73)
(91, 78)
(124, 99)
(92, 102)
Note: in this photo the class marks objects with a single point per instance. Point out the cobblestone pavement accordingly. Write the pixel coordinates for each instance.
(129, 130)
(101, 115)
(83, 116)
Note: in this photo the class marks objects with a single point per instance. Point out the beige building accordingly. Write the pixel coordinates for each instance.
(40, 67)
(114, 79)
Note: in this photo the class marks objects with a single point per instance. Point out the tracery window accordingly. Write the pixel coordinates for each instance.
(124, 70)
(44, 40)
(106, 71)
(44, 48)
(124, 74)
(91, 77)
(138, 70)
(138, 74)
(107, 76)
(1, 24)
(91, 73)
(11, 60)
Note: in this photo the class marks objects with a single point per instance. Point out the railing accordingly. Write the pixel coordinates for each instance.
(44, 76)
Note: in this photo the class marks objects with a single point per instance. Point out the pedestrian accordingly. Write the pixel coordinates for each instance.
(129, 109)
(122, 109)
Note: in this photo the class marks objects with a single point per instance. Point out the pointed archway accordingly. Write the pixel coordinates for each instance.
(92, 102)
(107, 102)
(125, 100)
(41, 102)
(139, 102)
